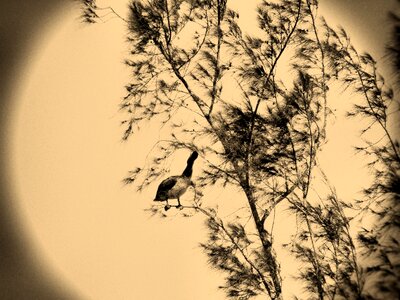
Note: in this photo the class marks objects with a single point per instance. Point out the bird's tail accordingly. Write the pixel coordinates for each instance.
(158, 199)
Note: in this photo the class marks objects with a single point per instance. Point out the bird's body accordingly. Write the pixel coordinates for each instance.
(175, 186)
(172, 188)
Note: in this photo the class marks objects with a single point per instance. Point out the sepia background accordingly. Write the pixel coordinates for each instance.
(69, 229)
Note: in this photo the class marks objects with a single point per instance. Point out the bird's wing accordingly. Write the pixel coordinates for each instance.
(168, 183)
(164, 187)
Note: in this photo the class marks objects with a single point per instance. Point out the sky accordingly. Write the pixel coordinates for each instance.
(63, 160)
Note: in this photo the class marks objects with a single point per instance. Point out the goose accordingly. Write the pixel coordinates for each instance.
(174, 187)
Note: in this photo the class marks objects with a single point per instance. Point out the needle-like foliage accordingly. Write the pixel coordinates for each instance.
(381, 242)
(263, 138)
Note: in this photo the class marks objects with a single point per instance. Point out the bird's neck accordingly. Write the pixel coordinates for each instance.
(188, 170)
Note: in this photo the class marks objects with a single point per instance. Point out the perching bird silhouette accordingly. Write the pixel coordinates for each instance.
(175, 186)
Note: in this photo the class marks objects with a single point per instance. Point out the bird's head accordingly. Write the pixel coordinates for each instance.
(193, 157)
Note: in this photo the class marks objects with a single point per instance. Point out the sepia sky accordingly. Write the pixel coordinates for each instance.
(64, 159)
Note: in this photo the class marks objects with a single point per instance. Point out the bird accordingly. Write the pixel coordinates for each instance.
(174, 187)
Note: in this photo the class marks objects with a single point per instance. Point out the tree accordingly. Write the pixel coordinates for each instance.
(262, 139)
(381, 242)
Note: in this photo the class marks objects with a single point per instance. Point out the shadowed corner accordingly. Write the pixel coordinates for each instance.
(22, 275)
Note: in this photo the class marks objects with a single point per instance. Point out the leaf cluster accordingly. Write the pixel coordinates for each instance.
(381, 199)
(326, 247)
(230, 249)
